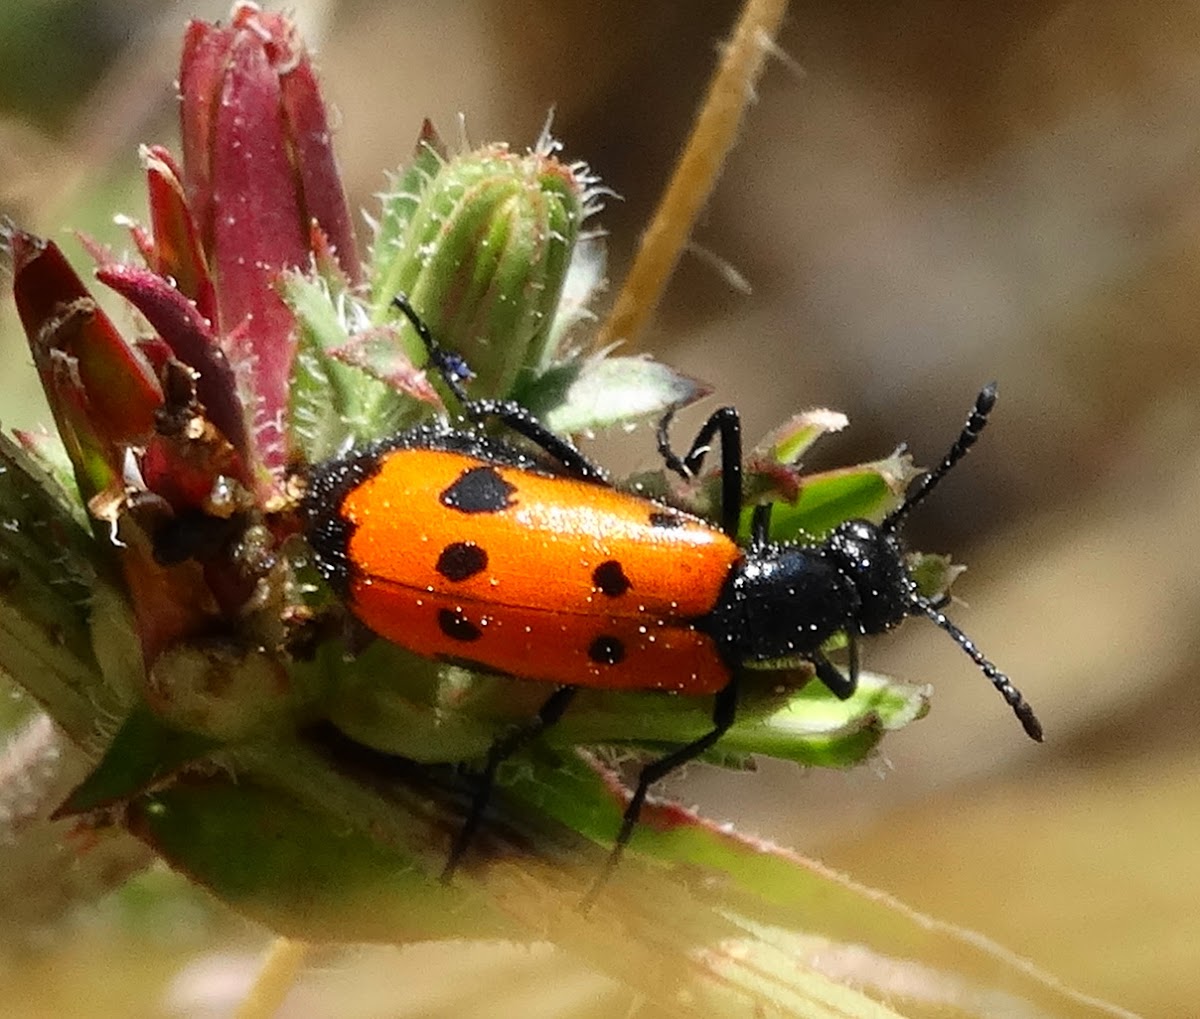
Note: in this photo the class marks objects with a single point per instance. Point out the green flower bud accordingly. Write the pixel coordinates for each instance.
(482, 254)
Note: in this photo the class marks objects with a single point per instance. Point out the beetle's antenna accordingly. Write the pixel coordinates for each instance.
(966, 439)
(999, 680)
(452, 368)
(454, 372)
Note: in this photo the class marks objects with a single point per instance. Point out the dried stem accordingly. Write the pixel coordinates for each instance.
(696, 173)
(280, 969)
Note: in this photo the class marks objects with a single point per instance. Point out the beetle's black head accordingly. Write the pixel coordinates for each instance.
(786, 601)
(872, 559)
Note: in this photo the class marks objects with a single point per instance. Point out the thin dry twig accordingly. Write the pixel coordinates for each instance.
(281, 967)
(696, 173)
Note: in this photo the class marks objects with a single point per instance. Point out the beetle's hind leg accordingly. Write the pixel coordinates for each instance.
(724, 713)
(499, 752)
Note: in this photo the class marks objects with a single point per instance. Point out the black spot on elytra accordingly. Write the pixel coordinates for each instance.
(479, 490)
(664, 518)
(606, 650)
(330, 482)
(456, 626)
(460, 560)
(610, 579)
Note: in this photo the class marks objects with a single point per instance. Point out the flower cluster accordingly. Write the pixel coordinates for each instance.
(179, 599)
(265, 343)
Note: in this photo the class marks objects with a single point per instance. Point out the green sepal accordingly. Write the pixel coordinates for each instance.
(400, 704)
(826, 499)
(144, 753)
(605, 391)
(399, 204)
(332, 404)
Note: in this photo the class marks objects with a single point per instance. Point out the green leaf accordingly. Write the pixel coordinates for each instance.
(810, 942)
(324, 841)
(399, 204)
(309, 847)
(294, 867)
(332, 404)
(827, 499)
(607, 391)
(47, 577)
(144, 752)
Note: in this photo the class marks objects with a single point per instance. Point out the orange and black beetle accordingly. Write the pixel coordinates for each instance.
(465, 547)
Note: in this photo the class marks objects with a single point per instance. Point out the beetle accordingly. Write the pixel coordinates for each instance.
(524, 559)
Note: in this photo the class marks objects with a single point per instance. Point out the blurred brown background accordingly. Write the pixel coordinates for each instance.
(936, 195)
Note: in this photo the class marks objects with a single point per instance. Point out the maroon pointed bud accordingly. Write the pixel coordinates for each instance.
(202, 65)
(173, 248)
(102, 392)
(259, 170)
(320, 183)
(190, 338)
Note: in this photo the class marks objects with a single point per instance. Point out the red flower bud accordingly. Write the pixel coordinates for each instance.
(259, 171)
(101, 390)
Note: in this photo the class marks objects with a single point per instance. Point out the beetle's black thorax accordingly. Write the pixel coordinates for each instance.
(786, 600)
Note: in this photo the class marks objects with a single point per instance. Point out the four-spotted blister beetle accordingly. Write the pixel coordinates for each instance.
(525, 560)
